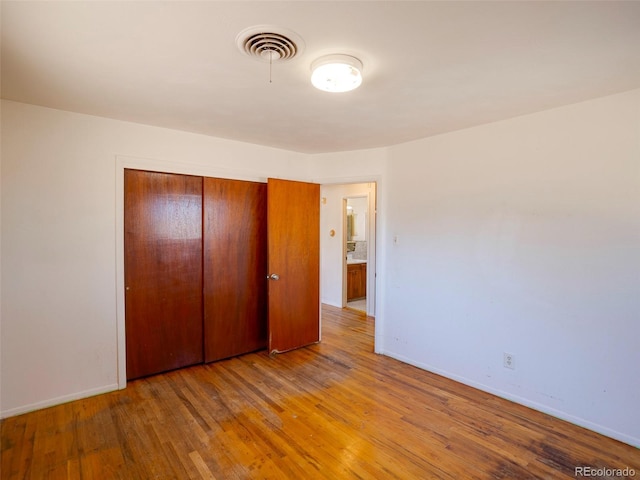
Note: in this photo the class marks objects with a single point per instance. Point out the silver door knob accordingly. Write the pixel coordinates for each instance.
(274, 276)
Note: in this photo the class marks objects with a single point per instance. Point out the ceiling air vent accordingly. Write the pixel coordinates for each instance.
(269, 44)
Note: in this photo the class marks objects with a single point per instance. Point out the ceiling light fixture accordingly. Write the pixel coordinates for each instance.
(336, 73)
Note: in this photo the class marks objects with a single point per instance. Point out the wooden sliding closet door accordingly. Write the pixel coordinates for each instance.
(235, 267)
(163, 271)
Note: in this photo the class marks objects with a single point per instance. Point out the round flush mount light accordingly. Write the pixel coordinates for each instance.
(336, 73)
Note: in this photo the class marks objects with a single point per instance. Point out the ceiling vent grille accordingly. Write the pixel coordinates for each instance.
(269, 44)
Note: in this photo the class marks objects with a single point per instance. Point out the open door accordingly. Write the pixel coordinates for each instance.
(293, 237)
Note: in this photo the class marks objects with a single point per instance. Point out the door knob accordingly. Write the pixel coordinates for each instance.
(274, 276)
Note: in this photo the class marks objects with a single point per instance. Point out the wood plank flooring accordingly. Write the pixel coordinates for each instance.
(330, 411)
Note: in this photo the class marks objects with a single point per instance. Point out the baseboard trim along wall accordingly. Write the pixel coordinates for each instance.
(608, 432)
(12, 412)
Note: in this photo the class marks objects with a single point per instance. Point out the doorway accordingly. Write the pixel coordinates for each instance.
(354, 285)
(358, 256)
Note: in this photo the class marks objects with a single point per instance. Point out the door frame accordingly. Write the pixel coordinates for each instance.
(371, 254)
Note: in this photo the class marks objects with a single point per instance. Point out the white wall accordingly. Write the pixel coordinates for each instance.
(523, 236)
(59, 337)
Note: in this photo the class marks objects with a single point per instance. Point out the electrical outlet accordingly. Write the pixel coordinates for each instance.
(509, 361)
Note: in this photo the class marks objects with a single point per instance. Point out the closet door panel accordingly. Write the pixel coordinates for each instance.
(163, 271)
(235, 267)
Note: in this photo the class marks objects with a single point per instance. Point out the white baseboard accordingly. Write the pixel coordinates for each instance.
(330, 303)
(581, 422)
(12, 412)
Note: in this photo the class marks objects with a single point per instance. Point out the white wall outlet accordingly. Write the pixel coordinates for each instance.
(509, 361)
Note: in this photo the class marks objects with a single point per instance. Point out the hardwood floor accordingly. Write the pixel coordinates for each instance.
(333, 410)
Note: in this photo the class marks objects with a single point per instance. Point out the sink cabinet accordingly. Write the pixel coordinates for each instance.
(356, 281)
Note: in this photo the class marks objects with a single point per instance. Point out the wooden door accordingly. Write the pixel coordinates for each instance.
(294, 264)
(235, 267)
(163, 271)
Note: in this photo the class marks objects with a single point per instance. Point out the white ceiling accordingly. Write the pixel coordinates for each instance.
(429, 67)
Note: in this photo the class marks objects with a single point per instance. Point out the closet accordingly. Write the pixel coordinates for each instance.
(215, 268)
(195, 270)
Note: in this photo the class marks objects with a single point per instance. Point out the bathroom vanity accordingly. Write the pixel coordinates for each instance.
(356, 279)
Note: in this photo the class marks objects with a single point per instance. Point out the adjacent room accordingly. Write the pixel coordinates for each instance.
(320, 239)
